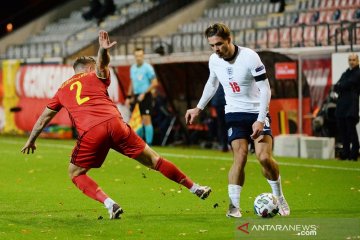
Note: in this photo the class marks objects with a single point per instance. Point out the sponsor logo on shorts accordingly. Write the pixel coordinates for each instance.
(230, 131)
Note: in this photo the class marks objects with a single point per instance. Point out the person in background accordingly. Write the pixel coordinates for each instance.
(100, 127)
(143, 81)
(218, 102)
(247, 93)
(161, 115)
(347, 109)
(99, 10)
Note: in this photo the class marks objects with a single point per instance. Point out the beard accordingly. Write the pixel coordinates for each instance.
(220, 54)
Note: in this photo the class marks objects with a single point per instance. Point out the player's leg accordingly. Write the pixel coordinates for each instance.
(354, 138)
(263, 151)
(91, 189)
(153, 160)
(146, 111)
(236, 175)
(128, 143)
(90, 152)
(345, 141)
(148, 128)
(239, 126)
(270, 169)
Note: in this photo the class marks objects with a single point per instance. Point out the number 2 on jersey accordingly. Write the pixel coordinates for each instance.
(79, 100)
(235, 87)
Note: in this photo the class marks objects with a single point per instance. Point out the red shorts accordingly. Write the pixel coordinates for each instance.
(93, 146)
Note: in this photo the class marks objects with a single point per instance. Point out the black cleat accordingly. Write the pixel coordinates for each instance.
(116, 211)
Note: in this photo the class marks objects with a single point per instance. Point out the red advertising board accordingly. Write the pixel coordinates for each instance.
(285, 70)
(318, 76)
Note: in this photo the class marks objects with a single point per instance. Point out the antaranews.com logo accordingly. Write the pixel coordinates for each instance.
(298, 228)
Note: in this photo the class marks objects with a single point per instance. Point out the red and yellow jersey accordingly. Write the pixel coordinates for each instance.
(86, 99)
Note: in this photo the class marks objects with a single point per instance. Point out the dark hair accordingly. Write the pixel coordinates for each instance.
(139, 49)
(218, 29)
(83, 60)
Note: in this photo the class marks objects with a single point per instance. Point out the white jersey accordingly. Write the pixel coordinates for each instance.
(242, 93)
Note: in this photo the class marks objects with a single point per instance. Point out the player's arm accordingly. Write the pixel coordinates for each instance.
(209, 91)
(153, 85)
(265, 95)
(130, 95)
(103, 57)
(259, 72)
(42, 121)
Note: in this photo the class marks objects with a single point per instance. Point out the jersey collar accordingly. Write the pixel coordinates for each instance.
(234, 55)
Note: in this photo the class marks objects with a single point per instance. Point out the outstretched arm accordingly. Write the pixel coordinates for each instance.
(209, 91)
(42, 121)
(103, 58)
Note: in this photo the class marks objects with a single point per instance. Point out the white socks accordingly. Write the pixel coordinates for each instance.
(276, 187)
(109, 203)
(235, 190)
(234, 194)
(194, 187)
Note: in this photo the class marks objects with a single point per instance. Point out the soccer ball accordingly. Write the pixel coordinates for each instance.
(266, 205)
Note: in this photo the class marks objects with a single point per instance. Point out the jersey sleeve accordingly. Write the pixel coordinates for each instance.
(265, 95)
(256, 66)
(54, 103)
(209, 90)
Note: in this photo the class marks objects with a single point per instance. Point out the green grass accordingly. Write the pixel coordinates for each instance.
(38, 200)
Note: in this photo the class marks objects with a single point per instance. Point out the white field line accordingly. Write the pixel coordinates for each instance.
(255, 161)
(64, 146)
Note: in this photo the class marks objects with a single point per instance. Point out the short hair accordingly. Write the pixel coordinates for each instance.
(218, 29)
(353, 55)
(139, 49)
(83, 60)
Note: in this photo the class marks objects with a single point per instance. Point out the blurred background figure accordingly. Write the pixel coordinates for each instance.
(143, 81)
(161, 116)
(218, 102)
(347, 108)
(324, 122)
(99, 10)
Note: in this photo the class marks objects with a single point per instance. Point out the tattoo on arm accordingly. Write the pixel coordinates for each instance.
(102, 63)
(41, 123)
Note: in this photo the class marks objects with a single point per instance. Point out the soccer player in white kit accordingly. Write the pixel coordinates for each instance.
(247, 93)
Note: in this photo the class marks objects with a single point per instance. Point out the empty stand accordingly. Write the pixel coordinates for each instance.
(254, 23)
(69, 35)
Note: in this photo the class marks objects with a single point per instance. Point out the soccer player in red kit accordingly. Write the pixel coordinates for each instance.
(100, 127)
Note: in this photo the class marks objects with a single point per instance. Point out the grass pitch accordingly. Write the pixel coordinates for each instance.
(38, 200)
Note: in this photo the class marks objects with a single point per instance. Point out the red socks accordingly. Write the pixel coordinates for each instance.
(89, 187)
(169, 170)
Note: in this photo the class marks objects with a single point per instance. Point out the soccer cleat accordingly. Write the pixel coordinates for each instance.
(203, 192)
(284, 209)
(115, 211)
(233, 212)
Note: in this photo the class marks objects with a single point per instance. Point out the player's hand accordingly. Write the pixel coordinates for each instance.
(191, 114)
(28, 146)
(257, 128)
(104, 40)
(128, 101)
(141, 97)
